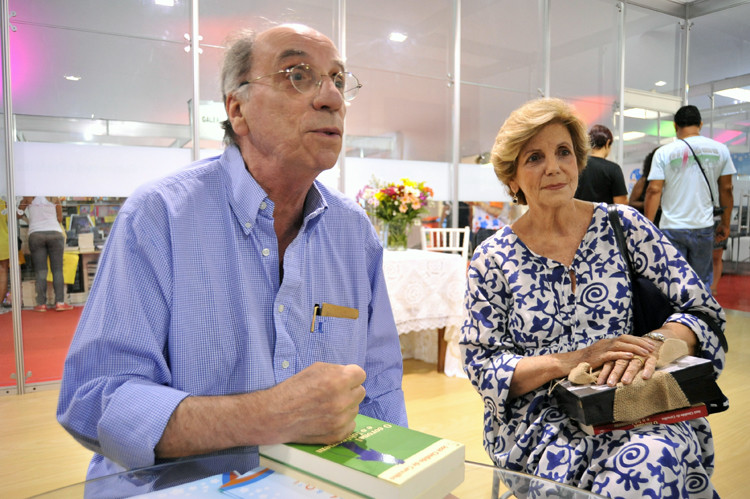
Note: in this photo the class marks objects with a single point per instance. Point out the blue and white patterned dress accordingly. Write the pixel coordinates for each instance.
(521, 304)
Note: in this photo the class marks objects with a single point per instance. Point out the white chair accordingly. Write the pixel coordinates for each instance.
(447, 240)
(740, 229)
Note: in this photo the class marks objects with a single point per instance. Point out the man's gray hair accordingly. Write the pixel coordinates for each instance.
(237, 62)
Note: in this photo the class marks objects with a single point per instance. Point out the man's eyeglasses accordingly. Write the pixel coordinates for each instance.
(304, 79)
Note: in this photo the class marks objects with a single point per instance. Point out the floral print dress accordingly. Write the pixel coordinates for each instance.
(521, 304)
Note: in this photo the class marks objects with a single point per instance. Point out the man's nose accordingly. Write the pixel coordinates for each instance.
(328, 95)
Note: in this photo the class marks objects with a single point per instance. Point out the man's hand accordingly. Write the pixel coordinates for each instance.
(722, 232)
(318, 404)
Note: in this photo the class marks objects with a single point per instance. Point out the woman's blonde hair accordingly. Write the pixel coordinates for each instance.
(523, 124)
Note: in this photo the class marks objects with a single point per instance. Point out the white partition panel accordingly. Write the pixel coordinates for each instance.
(55, 169)
(479, 183)
(476, 182)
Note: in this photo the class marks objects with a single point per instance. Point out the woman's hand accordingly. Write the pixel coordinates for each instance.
(622, 357)
(626, 370)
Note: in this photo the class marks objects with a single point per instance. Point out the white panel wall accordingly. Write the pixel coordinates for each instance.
(52, 169)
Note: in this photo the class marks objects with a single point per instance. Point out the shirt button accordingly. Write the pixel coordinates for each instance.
(285, 364)
(266, 251)
(248, 224)
(263, 205)
(281, 308)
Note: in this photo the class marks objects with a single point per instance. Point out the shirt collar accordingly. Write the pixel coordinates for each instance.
(247, 196)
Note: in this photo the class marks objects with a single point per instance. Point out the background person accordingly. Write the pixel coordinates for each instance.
(546, 294)
(686, 197)
(46, 242)
(4, 252)
(602, 180)
(717, 257)
(638, 194)
(486, 219)
(227, 311)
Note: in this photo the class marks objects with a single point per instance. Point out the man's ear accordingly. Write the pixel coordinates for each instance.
(235, 115)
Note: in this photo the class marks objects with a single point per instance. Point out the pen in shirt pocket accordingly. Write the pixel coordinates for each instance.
(331, 310)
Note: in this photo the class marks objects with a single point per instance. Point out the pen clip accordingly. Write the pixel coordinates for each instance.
(316, 312)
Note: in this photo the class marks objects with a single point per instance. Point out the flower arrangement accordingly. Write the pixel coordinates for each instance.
(397, 205)
(406, 200)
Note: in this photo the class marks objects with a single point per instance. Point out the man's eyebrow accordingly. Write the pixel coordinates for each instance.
(290, 53)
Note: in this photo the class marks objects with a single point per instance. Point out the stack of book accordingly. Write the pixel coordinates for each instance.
(592, 406)
(379, 460)
(667, 417)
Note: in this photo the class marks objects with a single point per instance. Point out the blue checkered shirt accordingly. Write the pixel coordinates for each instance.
(187, 300)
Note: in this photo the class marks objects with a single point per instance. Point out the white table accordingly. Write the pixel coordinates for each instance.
(426, 290)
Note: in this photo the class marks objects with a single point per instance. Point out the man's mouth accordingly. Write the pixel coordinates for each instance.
(332, 132)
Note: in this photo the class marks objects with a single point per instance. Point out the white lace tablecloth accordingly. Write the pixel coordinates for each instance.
(426, 290)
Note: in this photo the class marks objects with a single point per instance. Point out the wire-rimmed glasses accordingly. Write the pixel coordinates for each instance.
(304, 79)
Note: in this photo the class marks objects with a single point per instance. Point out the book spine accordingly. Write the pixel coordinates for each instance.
(669, 417)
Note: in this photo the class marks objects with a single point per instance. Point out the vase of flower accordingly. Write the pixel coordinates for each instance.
(395, 206)
(395, 234)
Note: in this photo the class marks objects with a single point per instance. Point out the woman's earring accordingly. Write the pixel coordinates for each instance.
(515, 198)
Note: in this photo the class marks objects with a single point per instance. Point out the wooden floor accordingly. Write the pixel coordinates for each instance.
(36, 455)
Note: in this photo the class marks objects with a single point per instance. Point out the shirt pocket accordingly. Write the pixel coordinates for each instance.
(338, 340)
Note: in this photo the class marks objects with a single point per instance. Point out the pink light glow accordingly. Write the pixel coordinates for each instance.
(726, 135)
(593, 109)
(25, 61)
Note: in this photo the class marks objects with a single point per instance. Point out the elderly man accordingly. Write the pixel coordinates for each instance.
(227, 309)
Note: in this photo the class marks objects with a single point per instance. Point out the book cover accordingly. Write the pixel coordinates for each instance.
(261, 482)
(380, 459)
(594, 404)
(668, 417)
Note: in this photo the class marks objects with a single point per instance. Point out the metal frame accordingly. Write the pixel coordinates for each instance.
(684, 11)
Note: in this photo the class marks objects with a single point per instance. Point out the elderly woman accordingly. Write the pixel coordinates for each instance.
(551, 291)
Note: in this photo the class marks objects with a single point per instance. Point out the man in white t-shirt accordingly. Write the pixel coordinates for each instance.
(688, 195)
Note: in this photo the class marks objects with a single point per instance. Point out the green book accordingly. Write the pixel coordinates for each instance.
(380, 460)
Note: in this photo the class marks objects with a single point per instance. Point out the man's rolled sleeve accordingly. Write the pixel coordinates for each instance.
(134, 421)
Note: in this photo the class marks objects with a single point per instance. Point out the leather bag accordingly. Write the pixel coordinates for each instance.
(650, 307)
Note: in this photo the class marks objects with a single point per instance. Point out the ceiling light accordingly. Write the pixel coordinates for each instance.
(397, 37)
(165, 3)
(640, 113)
(72, 77)
(740, 94)
(660, 83)
(632, 135)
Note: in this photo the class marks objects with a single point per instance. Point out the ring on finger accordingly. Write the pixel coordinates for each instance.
(639, 358)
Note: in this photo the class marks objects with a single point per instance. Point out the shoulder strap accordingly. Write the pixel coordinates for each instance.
(700, 167)
(614, 221)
